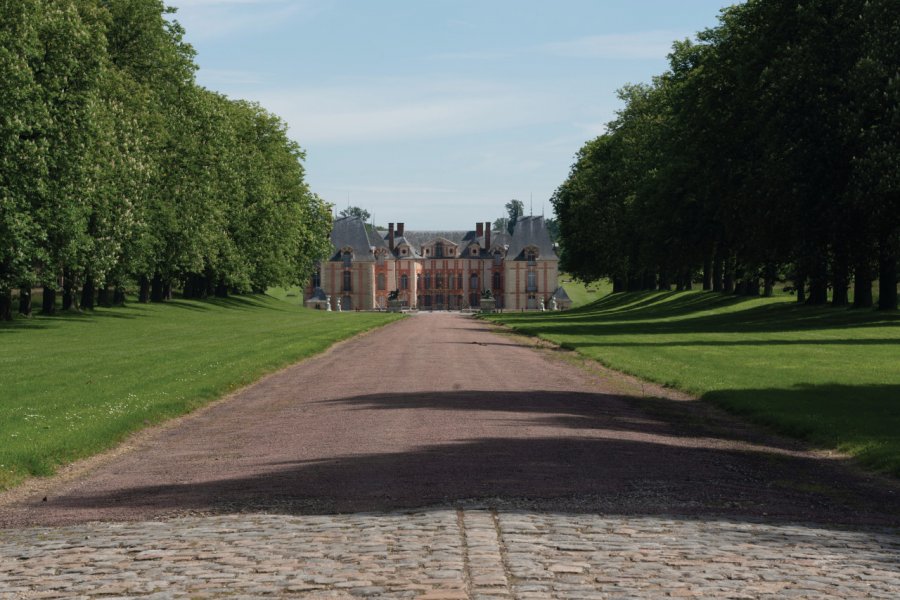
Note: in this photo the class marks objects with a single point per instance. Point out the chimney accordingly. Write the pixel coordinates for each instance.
(399, 229)
(479, 229)
(487, 235)
(391, 236)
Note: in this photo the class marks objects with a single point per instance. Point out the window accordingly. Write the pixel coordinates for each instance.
(427, 281)
(403, 251)
(316, 279)
(498, 281)
(498, 259)
(439, 250)
(473, 281)
(531, 282)
(347, 257)
(459, 281)
(347, 287)
(438, 281)
(382, 281)
(404, 282)
(474, 251)
(379, 258)
(531, 256)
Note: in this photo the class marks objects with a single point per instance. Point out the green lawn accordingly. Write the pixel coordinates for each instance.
(828, 375)
(581, 293)
(74, 385)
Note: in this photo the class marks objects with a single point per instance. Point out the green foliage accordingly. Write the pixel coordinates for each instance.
(355, 211)
(117, 168)
(824, 374)
(76, 385)
(767, 150)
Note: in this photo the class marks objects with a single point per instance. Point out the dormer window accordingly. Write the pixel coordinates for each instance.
(347, 259)
(498, 259)
(474, 251)
(531, 255)
(439, 250)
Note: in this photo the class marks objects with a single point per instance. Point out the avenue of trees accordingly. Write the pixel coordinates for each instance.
(767, 152)
(118, 171)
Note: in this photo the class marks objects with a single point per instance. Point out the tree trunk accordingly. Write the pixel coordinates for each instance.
(840, 282)
(751, 287)
(769, 280)
(103, 296)
(48, 301)
(887, 276)
(156, 288)
(649, 281)
(221, 290)
(689, 279)
(68, 297)
(87, 293)
(818, 283)
(707, 275)
(167, 290)
(728, 277)
(6, 305)
(25, 300)
(862, 285)
(118, 295)
(144, 293)
(618, 285)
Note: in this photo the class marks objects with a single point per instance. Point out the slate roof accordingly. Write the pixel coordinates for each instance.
(531, 231)
(560, 294)
(462, 239)
(351, 231)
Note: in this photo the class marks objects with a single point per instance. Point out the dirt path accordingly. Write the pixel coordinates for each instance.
(439, 410)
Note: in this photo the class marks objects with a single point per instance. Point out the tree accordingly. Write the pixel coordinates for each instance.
(515, 209)
(355, 211)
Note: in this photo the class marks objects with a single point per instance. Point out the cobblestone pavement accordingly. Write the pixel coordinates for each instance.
(448, 554)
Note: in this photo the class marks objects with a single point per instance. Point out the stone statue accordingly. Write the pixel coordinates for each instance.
(541, 305)
(553, 305)
(339, 307)
(328, 303)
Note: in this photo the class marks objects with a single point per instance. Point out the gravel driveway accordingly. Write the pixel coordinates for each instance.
(553, 479)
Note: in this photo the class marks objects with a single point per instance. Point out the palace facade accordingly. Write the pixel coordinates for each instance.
(438, 270)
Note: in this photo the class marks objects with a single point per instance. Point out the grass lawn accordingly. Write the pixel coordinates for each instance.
(74, 385)
(582, 293)
(828, 375)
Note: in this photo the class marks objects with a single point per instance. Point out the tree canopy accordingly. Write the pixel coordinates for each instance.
(767, 151)
(117, 169)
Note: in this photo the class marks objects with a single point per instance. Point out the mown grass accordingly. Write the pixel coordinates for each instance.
(584, 293)
(74, 385)
(827, 375)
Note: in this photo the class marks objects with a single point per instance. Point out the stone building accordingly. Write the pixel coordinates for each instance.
(437, 270)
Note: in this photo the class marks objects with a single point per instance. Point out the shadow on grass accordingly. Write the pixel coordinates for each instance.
(862, 419)
(541, 450)
(688, 313)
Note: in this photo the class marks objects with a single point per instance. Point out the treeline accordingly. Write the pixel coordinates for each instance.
(118, 171)
(767, 152)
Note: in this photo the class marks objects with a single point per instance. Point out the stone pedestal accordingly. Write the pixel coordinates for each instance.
(394, 306)
(487, 305)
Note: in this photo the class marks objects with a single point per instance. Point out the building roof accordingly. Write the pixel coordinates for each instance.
(531, 231)
(560, 294)
(351, 232)
(417, 239)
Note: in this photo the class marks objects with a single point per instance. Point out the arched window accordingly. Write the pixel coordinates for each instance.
(498, 259)
(404, 282)
(531, 256)
(427, 281)
(439, 250)
(473, 281)
(439, 281)
(382, 281)
(498, 281)
(459, 281)
(347, 287)
(347, 258)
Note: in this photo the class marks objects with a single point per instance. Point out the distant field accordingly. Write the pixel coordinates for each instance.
(828, 375)
(74, 385)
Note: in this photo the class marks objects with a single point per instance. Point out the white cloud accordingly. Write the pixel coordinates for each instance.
(370, 111)
(638, 45)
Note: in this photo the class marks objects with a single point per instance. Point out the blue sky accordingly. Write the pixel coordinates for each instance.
(434, 112)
